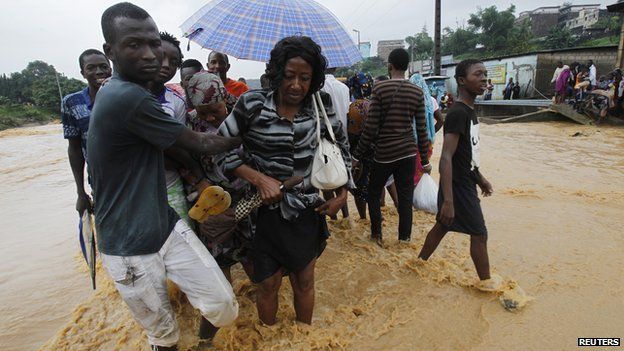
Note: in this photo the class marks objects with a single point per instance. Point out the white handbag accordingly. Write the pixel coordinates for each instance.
(328, 168)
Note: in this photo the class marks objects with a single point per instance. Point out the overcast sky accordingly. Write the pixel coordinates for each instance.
(58, 31)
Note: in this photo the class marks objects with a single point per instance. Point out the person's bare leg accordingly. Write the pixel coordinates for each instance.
(207, 331)
(303, 289)
(479, 254)
(435, 235)
(328, 195)
(360, 204)
(227, 273)
(267, 298)
(248, 268)
(345, 210)
(393, 194)
(382, 199)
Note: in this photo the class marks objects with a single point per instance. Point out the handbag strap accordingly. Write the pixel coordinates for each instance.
(384, 113)
(317, 103)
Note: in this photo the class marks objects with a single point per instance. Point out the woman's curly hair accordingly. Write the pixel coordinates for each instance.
(297, 46)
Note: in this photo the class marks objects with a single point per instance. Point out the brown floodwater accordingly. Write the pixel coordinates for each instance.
(555, 224)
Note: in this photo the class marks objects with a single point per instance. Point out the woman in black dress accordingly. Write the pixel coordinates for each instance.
(278, 128)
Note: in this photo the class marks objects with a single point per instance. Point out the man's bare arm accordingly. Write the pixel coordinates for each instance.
(185, 160)
(205, 143)
(439, 121)
(77, 163)
(449, 147)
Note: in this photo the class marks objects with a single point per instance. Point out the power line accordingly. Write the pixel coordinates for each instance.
(365, 11)
(353, 15)
(379, 18)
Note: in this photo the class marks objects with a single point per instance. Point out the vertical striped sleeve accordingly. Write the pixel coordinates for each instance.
(421, 129)
(236, 122)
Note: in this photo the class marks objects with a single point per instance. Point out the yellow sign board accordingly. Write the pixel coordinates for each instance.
(497, 73)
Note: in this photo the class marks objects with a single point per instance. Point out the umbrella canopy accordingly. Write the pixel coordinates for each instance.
(248, 29)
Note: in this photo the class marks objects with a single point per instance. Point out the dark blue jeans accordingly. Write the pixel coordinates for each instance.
(403, 172)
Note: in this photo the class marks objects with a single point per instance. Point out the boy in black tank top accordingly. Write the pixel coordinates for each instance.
(459, 207)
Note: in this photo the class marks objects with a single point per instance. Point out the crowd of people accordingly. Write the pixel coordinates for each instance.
(151, 150)
(511, 91)
(576, 82)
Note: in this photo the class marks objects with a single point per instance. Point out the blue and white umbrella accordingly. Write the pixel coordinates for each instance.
(249, 29)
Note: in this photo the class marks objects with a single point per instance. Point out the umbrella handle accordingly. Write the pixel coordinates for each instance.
(245, 206)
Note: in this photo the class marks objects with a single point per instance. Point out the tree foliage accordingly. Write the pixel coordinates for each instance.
(498, 31)
(611, 24)
(420, 46)
(373, 65)
(458, 41)
(521, 38)
(37, 85)
(559, 37)
(490, 32)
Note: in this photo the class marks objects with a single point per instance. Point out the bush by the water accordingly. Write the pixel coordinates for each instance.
(33, 95)
(13, 115)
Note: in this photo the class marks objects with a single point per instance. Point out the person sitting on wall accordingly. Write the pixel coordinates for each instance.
(508, 90)
(515, 92)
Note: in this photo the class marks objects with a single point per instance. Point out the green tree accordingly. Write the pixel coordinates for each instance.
(559, 37)
(35, 73)
(420, 46)
(496, 29)
(17, 88)
(70, 85)
(611, 24)
(45, 93)
(37, 84)
(520, 38)
(458, 41)
(39, 69)
(373, 65)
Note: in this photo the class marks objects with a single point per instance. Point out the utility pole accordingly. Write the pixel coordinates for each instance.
(58, 85)
(436, 40)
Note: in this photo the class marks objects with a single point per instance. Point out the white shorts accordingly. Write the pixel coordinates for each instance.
(142, 283)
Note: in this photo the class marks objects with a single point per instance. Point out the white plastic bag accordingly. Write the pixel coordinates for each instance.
(426, 194)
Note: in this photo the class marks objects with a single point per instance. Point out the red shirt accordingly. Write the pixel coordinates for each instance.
(234, 87)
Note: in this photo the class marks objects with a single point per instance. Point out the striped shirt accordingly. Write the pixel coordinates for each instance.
(278, 147)
(396, 138)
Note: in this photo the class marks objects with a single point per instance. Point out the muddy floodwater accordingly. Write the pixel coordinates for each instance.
(556, 229)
